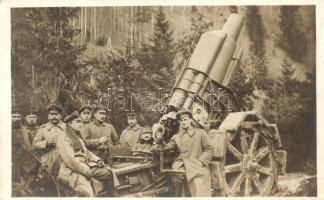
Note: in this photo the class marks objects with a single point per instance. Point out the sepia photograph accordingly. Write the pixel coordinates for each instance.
(163, 101)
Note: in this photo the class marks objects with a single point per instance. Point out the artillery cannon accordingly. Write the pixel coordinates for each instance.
(248, 152)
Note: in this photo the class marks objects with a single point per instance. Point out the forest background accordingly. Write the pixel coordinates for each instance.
(73, 55)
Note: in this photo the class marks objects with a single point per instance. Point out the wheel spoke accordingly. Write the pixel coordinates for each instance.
(233, 168)
(264, 170)
(244, 144)
(237, 183)
(234, 151)
(261, 153)
(247, 186)
(257, 184)
(254, 142)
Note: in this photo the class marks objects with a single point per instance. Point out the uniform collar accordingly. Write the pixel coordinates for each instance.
(97, 123)
(60, 125)
(190, 132)
(30, 127)
(135, 128)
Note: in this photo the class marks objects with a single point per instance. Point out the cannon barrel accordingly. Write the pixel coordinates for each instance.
(212, 60)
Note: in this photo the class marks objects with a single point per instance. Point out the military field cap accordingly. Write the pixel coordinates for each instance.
(15, 110)
(183, 112)
(131, 114)
(31, 112)
(54, 107)
(85, 107)
(95, 109)
(147, 129)
(72, 117)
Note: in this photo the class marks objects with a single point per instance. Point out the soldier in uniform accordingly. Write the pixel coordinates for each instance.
(46, 138)
(195, 152)
(16, 118)
(80, 167)
(17, 148)
(85, 114)
(99, 133)
(131, 134)
(145, 144)
(30, 128)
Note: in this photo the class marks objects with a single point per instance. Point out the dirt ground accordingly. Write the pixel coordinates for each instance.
(296, 184)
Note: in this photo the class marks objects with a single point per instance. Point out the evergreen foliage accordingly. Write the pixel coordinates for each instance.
(291, 39)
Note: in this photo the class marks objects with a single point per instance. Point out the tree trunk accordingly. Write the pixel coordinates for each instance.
(94, 23)
(85, 22)
(80, 22)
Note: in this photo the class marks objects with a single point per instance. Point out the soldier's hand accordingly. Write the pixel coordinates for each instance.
(89, 175)
(50, 144)
(103, 140)
(101, 163)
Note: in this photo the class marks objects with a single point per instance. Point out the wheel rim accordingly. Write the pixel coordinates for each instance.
(249, 165)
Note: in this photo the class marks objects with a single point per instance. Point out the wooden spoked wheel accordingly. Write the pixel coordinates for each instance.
(250, 168)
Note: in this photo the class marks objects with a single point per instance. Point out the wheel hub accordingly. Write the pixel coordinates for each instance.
(250, 164)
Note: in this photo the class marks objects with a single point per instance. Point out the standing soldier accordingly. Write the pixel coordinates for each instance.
(30, 129)
(99, 133)
(46, 138)
(131, 134)
(85, 114)
(16, 119)
(195, 154)
(81, 169)
(17, 148)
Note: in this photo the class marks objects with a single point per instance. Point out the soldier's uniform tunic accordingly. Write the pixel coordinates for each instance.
(28, 134)
(47, 132)
(195, 154)
(130, 135)
(93, 131)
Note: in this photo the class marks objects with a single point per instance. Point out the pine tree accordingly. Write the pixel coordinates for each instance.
(162, 48)
(291, 39)
(157, 57)
(255, 29)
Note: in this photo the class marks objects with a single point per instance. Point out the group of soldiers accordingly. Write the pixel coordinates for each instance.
(70, 148)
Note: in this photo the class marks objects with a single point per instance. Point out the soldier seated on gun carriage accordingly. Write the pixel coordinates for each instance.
(144, 146)
(82, 170)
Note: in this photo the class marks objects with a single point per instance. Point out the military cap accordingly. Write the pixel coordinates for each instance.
(183, 112)
(131, 114)
(147, 129)
(30, 112)
(55, 107)
(95, 109)
(15, 110)
(85, 107)
(72, 117)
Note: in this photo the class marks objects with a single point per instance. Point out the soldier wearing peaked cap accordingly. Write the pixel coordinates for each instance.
(47, 136)
(79, 166)
(85, 113)
(195, 154)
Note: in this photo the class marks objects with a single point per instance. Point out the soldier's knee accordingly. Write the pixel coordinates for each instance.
(85, 190)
